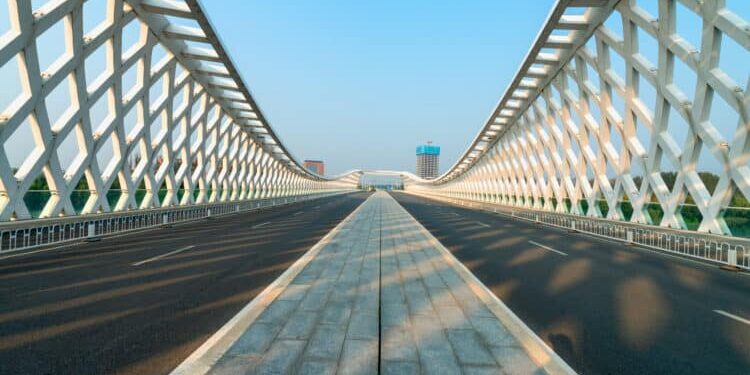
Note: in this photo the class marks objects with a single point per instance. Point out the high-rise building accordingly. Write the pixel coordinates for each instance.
(315, 166)
(427, 160)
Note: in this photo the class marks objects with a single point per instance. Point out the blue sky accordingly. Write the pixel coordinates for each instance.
(360, 84)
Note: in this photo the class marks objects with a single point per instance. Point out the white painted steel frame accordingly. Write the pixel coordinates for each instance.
(552, 136)
(213, 137)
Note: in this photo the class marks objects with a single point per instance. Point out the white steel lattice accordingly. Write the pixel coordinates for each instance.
(591, 121)
(176, 115)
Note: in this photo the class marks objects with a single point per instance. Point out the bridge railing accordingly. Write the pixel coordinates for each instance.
(719, 249)
(29, 234)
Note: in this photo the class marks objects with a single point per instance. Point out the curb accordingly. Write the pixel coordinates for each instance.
(537, 349)
(202, 359)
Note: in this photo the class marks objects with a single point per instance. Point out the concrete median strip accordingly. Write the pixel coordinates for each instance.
(205, 357)
(377, 294)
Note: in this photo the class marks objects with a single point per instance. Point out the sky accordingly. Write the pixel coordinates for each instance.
(359, 84)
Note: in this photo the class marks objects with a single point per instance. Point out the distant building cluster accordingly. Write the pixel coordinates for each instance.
(428, 157)
(315, 166)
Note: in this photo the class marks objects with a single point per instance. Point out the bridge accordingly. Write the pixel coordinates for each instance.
(152, 221)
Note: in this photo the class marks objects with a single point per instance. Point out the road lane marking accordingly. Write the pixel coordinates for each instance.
(455, 214)
(69, 243)
(732, 316)
(483, 224)
(298, 213)
(163, 255)
(260, 225)
(316, 207)
(22, 253)
(548, 248)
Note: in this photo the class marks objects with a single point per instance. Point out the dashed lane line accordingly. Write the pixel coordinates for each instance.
(733, 317)
(260, 225)
(548, 248)
(163, 255)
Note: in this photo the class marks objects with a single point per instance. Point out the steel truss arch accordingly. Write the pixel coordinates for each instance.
(578, 132)
(182, 130)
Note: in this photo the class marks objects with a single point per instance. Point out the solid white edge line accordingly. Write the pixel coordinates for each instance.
(79, 241)
(548, 248)
(20, 254)
(69, 243)
(732, 316)
(202, 359)
(483, 224)
(638, 246)
(260, 225)
(163, 255)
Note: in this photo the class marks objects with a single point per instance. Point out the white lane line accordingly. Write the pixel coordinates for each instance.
(732, 316)
(22, 253)
(548, 248)
(316, 207)
(260, 225)
(455, 214)
(77, 241)
(483, 224)
(163, 255)
(298, 213)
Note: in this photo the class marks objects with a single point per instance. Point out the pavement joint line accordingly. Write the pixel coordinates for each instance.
(732, 316)
(163, 255)
(205, 357)
(260, 225)
(548, 248)
(483, 224)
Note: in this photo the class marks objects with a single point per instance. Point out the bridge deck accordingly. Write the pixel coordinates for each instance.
(379, 294)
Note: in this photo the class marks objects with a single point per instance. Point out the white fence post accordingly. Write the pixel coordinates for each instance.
(91, 235)
(732, 257)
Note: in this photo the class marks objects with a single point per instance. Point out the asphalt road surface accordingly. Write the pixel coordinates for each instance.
(141, 303)
(606, 308)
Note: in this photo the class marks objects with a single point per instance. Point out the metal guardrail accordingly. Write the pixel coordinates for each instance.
(730, 251)
(28, 234)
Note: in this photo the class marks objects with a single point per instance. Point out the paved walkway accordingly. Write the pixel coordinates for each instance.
(380, 295)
